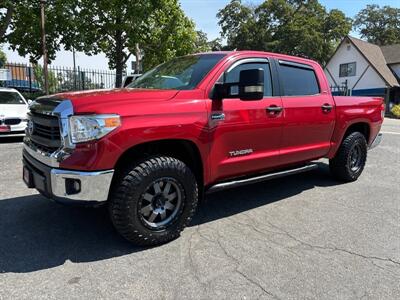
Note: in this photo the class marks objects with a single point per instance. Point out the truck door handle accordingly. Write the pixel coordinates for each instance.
(217, 116)
(273, 109)
(326, 107)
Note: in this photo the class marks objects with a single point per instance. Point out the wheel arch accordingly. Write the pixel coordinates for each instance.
(362, 127)
(182, 149)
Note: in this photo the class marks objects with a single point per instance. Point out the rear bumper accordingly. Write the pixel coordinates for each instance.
(376, 141)
(65, 185)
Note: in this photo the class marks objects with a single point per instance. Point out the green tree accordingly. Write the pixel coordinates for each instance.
(39, 76)
(6, 13)
(295, 27)
(25, 33)
(154, 30)
(378, 25)
(3, 58)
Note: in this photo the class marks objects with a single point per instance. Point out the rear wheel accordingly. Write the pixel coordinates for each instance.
(154, 201)
(350, 159)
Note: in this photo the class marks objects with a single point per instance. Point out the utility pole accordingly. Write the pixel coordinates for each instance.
(74, 61)
(45, 71)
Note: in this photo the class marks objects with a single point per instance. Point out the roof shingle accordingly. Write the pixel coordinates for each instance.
(375, 57)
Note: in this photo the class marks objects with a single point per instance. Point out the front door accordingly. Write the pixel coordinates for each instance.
(246, 135)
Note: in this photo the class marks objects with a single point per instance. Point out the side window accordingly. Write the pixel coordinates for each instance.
(233, 76)
(298, 81)
(347, 70)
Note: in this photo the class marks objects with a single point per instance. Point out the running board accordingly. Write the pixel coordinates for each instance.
(269, 176)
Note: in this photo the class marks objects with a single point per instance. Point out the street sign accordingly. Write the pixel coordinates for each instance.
(5, 75)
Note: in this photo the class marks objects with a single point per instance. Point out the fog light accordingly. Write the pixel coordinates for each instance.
(72, 186)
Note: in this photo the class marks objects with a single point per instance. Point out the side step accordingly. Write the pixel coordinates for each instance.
(269, 176)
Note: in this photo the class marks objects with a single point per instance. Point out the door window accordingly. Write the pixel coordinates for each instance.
(298, 81)
(233, 76)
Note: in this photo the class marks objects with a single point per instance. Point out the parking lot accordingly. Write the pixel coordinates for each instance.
(301, 237)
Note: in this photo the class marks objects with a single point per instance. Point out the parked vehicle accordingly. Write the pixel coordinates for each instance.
(194, 125)
(13, 113)
(129, 79)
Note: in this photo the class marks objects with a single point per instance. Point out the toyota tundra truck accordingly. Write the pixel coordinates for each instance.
(191, 126)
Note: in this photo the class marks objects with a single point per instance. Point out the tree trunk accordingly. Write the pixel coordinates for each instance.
(6, 21)
(138, 68)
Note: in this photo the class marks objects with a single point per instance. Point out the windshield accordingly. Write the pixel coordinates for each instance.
(10, 98)
(182, 73)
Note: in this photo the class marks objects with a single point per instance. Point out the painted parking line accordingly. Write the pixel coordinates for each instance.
(390, 132)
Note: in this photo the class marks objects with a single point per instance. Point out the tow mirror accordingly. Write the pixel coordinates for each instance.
(249, 87)
(251, 84)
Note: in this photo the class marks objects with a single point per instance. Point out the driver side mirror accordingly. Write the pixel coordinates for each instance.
(29, 101)
(249, 87)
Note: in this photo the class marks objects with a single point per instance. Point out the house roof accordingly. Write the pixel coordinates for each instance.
(374, 55)
(391, 54)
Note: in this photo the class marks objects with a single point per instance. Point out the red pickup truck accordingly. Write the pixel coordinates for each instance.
(194, 125)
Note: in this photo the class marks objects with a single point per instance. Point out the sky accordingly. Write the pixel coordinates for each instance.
(203, 13)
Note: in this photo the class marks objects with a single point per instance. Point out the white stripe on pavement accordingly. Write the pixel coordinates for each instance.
(390, 132)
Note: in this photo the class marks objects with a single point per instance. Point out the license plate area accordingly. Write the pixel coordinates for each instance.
(5, 128)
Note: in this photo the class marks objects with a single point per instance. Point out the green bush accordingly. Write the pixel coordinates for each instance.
(396, 110)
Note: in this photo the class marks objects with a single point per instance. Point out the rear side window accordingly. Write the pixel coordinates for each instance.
(298, 81)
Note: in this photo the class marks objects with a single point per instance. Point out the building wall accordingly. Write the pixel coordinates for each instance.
(347, 53)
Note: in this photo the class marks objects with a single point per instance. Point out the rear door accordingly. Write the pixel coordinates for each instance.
(246, 135)
(309, 112)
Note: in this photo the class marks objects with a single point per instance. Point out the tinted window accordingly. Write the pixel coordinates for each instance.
(182, 73)
(10, 98)
(298, 81)
(233, 76)
(347, 70)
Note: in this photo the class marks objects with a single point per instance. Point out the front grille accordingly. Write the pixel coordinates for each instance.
(44, 132)
(13, 121)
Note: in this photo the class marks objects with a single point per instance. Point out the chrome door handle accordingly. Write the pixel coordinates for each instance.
(218, 116)
(274, 109)
(326, 107)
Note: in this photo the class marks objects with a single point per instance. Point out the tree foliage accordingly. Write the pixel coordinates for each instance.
(378, 25)
(296, 27)
(154, 30)
(25, 32)
(6, 13)
(3, 58)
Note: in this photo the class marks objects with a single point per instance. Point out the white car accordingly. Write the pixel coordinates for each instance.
(13, 111)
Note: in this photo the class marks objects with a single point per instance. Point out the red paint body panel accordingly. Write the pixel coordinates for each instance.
(301, 132)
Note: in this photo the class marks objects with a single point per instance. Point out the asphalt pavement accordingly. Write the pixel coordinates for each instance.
(301, 237)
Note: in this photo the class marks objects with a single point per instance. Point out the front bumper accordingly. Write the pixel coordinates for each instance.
(376, 141)
(67, 186)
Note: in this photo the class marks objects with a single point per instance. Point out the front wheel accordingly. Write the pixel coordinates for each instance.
(350, 159)
(154, 201)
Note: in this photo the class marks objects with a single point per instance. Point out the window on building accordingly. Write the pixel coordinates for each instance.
(347, 70)
(298, 81)
(233, 76)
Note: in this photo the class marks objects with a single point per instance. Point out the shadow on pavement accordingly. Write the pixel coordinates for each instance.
(38, 234)
(8, 140)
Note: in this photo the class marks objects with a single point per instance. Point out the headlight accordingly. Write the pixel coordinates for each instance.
(92, 127)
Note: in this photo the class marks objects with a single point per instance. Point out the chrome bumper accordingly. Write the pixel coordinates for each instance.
(376, 142)
(66, 185)
(93, 186)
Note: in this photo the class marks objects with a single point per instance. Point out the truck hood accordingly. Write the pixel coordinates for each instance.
(88, 101)
(13, 110)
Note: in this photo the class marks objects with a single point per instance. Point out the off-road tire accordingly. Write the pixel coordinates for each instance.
(341, 166)
(129, 188)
